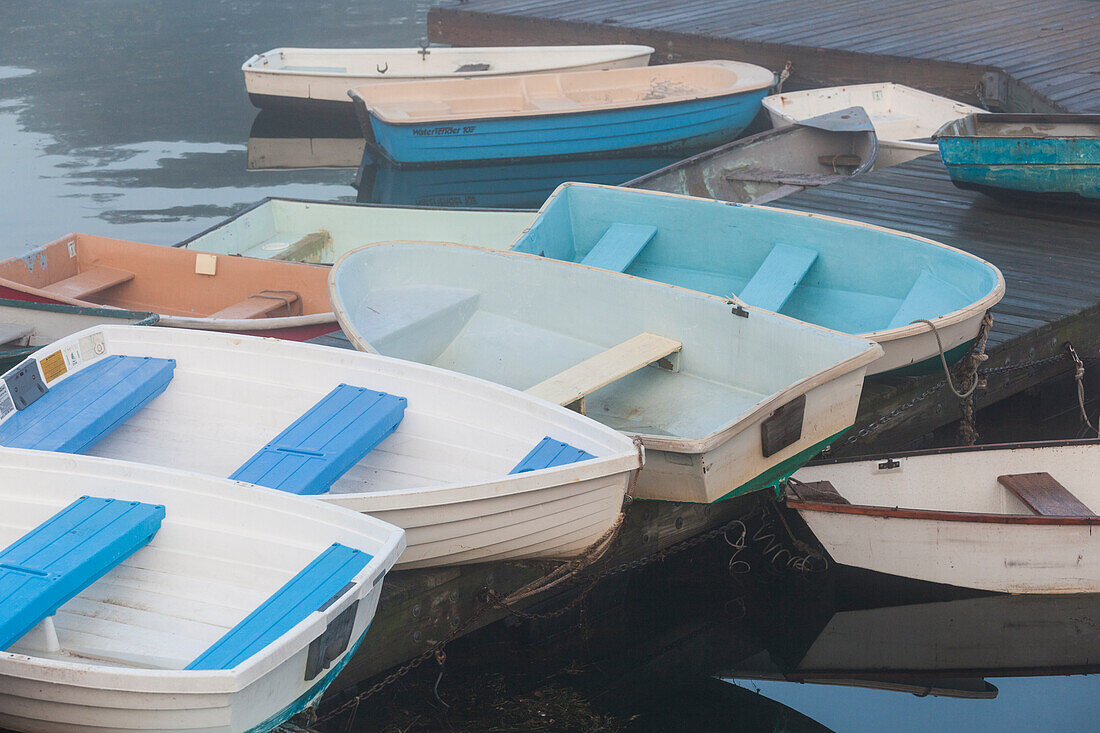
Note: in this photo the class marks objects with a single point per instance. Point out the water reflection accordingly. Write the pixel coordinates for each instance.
(280, 141)
(509, 186)
(131, 119)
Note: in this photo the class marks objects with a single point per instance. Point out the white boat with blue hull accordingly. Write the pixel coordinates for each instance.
(142, 598)
(472, 471)
(674, 107)
(320, 231)
(725, 399)
(841, 274)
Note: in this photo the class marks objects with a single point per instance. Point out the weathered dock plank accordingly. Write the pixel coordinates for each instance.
(1049, 260)
(1045, 53)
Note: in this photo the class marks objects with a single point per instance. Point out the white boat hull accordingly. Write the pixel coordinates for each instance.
(269, 81)
(945, 518)
(222, 549)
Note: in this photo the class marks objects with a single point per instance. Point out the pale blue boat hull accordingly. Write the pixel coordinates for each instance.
(1033, 156)
(853, 278)
(672, 127)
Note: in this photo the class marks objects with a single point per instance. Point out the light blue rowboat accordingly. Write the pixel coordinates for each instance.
(1045, 157)
(725, 399)
(675, 107)
(840, 274)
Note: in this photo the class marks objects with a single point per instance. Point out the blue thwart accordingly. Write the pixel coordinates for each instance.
(45, 568)
(79, 411)
(303, 594)
(321, 445)
(549, 453)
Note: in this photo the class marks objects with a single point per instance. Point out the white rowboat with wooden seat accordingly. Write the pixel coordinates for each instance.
(1013, 518)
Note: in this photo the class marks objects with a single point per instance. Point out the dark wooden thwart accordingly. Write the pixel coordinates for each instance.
(820, 491)
(1044, 496)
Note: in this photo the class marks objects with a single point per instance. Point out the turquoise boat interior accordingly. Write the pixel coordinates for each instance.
(842, 275)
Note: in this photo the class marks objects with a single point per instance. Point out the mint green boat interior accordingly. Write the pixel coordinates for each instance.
(315, 231)
(840, 275)
(519, 320)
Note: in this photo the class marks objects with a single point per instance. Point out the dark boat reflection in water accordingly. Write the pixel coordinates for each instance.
(287, 141)
(634, 661)
(499, 186)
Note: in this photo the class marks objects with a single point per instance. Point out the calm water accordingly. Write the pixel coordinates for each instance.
(129, 119)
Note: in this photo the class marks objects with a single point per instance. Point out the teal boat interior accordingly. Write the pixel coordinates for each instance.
(462, 308)
(841, 275)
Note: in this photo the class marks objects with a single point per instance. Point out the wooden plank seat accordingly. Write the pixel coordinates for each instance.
(318, 583)
(1044, 496)
(89, 282)
(259, 305)
(77, 412)
(321, 445)
(55, 561)
(572, 385)
(928, 298)
(619, 246)
(12, 332)
(820, 491)
(549, 453)
(778, 276)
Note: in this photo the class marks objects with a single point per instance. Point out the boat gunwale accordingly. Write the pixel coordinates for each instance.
(991, 298)
(935, 515)
(948, 130)
(1022, 445)
(505, 115)
(184, 243)
(721, 434)
(248, 67)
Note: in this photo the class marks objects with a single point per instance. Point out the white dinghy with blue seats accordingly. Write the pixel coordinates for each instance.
(471, 470)
(142, 598)
(735, 399)
(845, 275)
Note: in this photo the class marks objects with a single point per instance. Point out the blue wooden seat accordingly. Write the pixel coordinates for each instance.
(619, 246)
(77, 412)
(778, 276)
(321, 445)
(549, 453)
(61, 557)
(303, 594)
(930, 297)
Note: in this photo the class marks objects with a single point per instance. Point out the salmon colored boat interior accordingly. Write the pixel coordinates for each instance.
(576, 91)
(81, 269)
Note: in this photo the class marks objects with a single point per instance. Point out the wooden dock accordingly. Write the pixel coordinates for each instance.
(1026, 56)
(1051, 266)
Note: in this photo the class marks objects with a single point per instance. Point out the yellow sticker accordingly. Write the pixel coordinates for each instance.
(53, 366)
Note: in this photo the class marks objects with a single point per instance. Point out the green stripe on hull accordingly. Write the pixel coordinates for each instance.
(780, 472)
(932, 365)
(777, 474)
